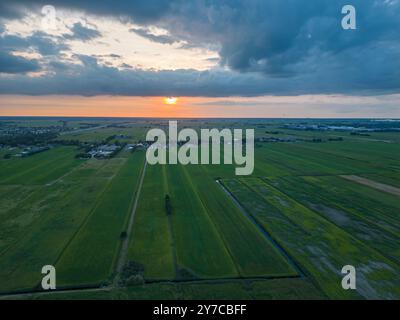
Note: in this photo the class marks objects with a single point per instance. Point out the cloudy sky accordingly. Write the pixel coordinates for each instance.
(255, 58)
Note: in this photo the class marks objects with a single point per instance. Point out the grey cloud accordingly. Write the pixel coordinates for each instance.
(273, 36)
(59, 66)
(92, 78)
(231, 103)
(15, 65)
(9, 10)
(145, 33)
(40, 41)
(141, 11)
(81, 32)
(273, 47)
(125, 66)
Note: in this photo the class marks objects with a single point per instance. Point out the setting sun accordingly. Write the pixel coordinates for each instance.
(170, 100)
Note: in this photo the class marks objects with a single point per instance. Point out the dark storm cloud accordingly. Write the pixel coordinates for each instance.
(276, 36)
(81, 32)
(13, 65)
(91, 78)
(282, 47)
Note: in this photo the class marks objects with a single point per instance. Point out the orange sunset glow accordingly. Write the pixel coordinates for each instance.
(170, 100)
(186, 107)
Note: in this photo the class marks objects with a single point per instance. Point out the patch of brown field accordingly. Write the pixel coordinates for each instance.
(373, 184)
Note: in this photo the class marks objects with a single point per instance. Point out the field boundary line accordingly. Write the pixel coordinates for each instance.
(96, 288)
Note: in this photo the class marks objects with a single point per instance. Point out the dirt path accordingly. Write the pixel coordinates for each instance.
(373, 184)
(125, 242)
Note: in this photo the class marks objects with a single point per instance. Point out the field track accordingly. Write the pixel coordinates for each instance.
(125, 243)
(373, 184)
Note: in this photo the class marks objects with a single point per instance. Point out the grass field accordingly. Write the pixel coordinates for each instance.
(40, 169)
(283, 233)
(253, 254)
(199, 247)
(90, 256)
(42, 224)
(320, 246)
(151, 243)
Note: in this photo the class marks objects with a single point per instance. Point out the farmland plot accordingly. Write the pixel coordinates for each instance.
(253, 254)
(199, 247)
(40, 168)
(151, 242)
(358, 215)
(39, 227)
(90, 257)
(320, 247)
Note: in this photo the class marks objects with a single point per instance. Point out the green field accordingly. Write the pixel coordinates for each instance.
(91, 253)
(284, 232)
(308, 235)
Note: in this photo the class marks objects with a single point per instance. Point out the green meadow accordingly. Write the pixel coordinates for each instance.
(199, 231)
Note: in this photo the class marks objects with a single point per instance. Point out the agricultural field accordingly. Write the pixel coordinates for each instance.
(118, 228)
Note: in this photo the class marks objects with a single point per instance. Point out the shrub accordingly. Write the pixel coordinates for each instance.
(123, 235)
(135, 280)
(168, 206)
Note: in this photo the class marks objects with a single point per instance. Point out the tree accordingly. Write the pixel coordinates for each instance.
(168, 206)
(123, 235)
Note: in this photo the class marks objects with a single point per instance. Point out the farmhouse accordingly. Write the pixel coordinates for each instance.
(104, 151)
(33, 150)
